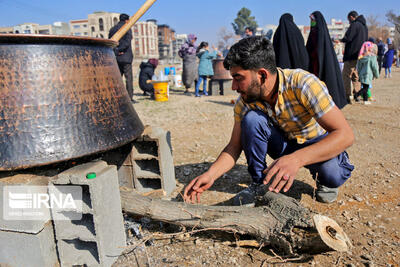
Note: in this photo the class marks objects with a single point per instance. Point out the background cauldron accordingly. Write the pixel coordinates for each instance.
(61, 97)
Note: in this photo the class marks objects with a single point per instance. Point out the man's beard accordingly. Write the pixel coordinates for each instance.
(253, 92)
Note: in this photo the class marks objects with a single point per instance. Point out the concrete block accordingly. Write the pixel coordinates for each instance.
(25, 226)
(26, 242)
(99, 238)
(121, 157)
(221, 87)
(152, 161)
(29, 249)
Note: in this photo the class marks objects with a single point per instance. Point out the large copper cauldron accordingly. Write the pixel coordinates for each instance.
(61, 97)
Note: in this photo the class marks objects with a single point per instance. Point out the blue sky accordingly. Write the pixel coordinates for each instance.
(204, 18)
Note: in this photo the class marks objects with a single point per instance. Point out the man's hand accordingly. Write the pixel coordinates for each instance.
(196, 187)
(284, 170)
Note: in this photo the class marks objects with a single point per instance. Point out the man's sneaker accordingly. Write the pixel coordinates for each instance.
(246, 197)
(325, 194)
(367, 102)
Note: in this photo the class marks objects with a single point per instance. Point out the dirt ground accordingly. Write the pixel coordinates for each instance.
(368, 206)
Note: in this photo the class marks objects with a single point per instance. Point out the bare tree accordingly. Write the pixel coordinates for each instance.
(376, 29)
(226, 38)
(395, 19)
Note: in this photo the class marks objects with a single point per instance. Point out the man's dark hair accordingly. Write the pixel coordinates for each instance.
(353, 14)
(123, 17)
(249, 29)
(252, 53)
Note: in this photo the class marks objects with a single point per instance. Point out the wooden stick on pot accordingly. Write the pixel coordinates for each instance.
(121, 32)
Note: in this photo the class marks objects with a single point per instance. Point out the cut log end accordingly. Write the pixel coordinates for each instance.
(331, 233)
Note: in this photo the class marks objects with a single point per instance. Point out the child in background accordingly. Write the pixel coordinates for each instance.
(388, 59)
(375, 52)
(367, 68)
(205, 66)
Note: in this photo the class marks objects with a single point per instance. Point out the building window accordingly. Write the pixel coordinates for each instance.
(93, 29)
(77, 34)
(27, 31)
(85, 33)
(115, 20)
(101, 24)
(77, 26)
(84, 25)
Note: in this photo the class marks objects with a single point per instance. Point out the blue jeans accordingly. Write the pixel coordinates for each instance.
(260, 137)
(388, 70)
(203, 79)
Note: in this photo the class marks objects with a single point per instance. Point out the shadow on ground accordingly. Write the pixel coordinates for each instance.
(232, 182)
(225, 103)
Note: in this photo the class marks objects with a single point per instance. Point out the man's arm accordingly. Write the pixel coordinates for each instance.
(225, 161)
(350, 33)
(340, 136)
(124, 43)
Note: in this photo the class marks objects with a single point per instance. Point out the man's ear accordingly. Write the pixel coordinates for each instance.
(263, 74)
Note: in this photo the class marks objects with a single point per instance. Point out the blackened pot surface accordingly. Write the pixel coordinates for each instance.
(61, 98)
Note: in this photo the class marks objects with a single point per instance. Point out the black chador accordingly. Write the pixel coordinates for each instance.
(288, 43)
(323, 60)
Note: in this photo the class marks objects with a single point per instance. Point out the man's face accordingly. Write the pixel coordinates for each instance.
(248, 32)
(351, 18)
(245, 82)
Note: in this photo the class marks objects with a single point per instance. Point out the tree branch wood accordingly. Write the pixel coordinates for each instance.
(277, 220)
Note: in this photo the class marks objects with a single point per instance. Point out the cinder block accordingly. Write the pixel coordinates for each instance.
(99, 238)
(152, 161)
(29, 249)
(26, 242)
(221, 87)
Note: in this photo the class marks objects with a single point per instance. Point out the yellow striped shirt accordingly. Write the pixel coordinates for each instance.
(302, 98)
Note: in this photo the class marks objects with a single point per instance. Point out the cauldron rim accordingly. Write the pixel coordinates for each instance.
(54, 39)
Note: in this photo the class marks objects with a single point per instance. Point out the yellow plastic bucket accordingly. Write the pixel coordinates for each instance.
(161, 91)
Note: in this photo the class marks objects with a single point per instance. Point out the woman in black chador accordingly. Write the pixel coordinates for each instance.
(323, 60)
(288, 43)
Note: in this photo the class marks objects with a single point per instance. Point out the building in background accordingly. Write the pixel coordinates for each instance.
(6, 29)
(166, 39)
(144, 39)
(337, 28)
(101, 22)
(98, 24)
(180, 39)
(79, 27)
(57, 28)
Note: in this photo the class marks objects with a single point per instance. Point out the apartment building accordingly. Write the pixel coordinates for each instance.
(79, 27)
(101, 22)
(6, 29)
(144, 39)
(166, 40)
(58, 28)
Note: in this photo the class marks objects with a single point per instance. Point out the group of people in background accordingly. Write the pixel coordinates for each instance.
(340, 69)
(193, 73)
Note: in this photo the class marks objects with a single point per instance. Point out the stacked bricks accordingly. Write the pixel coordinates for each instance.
(152, 162)
(99, 237)
(26, 242)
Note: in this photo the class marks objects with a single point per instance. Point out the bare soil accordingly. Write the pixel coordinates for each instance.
(368, 207)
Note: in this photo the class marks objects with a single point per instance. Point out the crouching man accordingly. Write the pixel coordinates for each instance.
(287, 114)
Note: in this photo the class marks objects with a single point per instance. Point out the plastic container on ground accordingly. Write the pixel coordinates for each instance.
(161, 90)
(178, 81)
